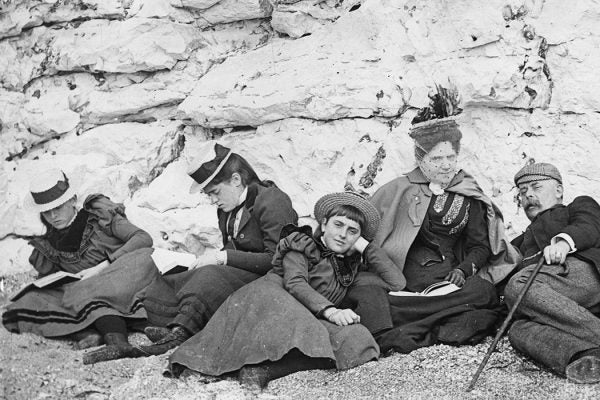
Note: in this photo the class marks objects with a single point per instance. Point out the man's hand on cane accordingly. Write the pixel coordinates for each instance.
(557, 253)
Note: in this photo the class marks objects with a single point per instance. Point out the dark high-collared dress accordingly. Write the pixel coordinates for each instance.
(281, 312)
(99, 232)
(427, 236)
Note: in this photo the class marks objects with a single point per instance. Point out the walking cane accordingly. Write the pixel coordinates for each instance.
(505, 323)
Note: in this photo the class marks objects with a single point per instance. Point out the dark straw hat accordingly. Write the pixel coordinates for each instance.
(50, 189)
(207, 165)
(429, 133)
(537, 172)
(329, 201)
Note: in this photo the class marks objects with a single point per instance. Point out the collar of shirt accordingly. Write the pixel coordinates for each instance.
(243, 196)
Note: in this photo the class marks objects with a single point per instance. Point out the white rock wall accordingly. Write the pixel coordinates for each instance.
(318, 95)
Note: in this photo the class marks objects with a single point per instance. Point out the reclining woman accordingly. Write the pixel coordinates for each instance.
(295, 317)
(99, 234)
(437, 225)
(251, 213)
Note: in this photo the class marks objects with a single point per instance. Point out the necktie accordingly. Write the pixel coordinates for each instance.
(231, 222)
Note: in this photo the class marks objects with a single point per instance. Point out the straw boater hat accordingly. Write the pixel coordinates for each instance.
(50, 189)
(207, 165)
(329, 201)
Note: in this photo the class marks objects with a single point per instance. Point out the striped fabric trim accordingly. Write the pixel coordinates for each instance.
(44, 317)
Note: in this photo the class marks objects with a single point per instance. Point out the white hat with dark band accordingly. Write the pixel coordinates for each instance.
(207, 165)
(50, 189)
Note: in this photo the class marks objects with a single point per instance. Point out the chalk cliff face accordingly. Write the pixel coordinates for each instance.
(317, 95)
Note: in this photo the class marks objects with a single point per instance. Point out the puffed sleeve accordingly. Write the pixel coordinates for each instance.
(112, 219)
(133, 237)
(295, 256)
(295, 280)
(43, 265)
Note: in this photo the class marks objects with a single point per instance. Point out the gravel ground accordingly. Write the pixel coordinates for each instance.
(32, 367)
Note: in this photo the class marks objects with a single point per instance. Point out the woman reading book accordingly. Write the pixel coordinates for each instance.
(438, 225)
(96, 237)
(295, 317)
(251, 213)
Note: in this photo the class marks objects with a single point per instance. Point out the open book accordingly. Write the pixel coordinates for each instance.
(172, 262)
(435, 289)
(60, 278)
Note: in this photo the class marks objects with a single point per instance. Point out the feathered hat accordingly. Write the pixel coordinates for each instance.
(436, 123)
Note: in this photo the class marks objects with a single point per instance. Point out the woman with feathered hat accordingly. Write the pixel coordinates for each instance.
(438, 225)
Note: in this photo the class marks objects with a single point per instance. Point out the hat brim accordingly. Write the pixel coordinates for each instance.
(40, 208)
(534, 178)
(197, 187)
(329, 201)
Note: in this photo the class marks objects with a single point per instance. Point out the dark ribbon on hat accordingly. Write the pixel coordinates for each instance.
(205, 170)
(208, 168)
(51, 194)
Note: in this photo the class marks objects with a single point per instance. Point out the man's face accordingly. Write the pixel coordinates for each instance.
(538, 196)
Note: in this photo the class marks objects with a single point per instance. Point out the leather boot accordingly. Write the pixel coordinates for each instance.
(86, 339)
(174, 338)
(585, 368)
(259, 376)
(117, 346)
(156, 333)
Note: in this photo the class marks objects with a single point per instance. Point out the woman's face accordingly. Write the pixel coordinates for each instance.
(226, 195)
(60, 217)
(439, 165)
(340, 233)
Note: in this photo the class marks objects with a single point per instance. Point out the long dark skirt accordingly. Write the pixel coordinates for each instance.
(263, 322)
(116, 290)
(190, 298)
(462, 317)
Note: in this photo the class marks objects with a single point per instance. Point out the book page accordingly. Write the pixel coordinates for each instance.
(441, 290)
(59, 277)
(435, 289)
(166, 260)
(405, 293)
(53, 278)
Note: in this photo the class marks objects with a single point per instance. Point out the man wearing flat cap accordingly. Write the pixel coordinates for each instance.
(555, 323)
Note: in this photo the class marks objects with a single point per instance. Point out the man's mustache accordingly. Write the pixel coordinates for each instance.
(533, 203)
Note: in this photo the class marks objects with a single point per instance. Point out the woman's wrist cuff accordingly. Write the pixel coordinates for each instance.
(221, 257)
(325, 313)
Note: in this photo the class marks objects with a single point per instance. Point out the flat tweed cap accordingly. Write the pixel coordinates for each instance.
(329, 201)
(537, 172)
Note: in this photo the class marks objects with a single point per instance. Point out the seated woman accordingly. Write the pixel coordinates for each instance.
(251, 213)
(438, 225)
(294, 318)
(94, 308)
